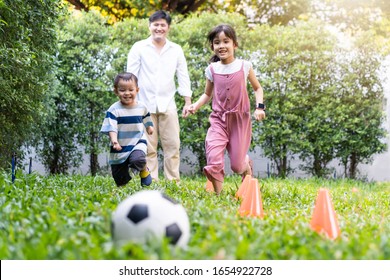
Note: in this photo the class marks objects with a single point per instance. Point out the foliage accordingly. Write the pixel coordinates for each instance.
(56, 143)
(118, 10)
(360, 94)
(293, 63)
(352, 15)
(124, 35)
(90, 54)
(67, 218)
(27, 46)
(356, 16)
(85, 71)
(266, 11)
(305, 76)
(274, 12)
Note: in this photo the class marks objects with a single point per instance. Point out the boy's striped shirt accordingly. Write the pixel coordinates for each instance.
(128, 122)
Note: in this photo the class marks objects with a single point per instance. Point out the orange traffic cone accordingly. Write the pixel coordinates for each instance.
(244, 187)
(324, 217)
(251, 204)
(209, 186)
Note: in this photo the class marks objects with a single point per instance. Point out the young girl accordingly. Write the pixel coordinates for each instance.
(124, 124)
(230, 121)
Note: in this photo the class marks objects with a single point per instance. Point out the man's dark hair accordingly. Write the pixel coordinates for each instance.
(160, 15)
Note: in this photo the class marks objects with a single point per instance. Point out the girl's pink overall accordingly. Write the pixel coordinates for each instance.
(230, 122)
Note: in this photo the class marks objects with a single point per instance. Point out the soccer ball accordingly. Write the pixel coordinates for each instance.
(150, 215)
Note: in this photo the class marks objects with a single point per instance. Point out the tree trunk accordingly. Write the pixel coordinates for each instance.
(93, 157)
(316, 167)
(78, 5)
(54, 166)
(353, 166)
(281, 166)
(94, 163)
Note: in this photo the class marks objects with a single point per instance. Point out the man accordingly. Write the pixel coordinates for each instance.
(156, 61)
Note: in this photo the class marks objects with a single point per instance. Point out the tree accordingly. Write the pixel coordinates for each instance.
(266, 11)
(56, 145)
(321, 104)
(360, 93)
(351, 15)
(27, 48)
(273, 12)
(118, 10)
(90, 53)
(86, 56)
(292, 63)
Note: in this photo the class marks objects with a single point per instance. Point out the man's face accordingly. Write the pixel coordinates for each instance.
(159, 30)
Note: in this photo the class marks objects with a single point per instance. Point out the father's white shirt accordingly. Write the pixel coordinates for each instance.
(156, 74)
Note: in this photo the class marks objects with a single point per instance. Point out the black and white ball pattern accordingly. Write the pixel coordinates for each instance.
(150, 215)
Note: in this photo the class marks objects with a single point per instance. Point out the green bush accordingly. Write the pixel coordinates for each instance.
(27, 49)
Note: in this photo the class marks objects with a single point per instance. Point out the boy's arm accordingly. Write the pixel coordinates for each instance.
(148, 123)
(114, 140)
(150, 130)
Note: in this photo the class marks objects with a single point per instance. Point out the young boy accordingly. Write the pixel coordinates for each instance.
(124, 124)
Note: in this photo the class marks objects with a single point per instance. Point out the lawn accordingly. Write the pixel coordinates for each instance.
(68, 218)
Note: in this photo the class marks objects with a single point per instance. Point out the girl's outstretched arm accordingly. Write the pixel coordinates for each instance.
(258, 114)
(202, 100)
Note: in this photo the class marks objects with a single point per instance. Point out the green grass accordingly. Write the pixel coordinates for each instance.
(69, 218)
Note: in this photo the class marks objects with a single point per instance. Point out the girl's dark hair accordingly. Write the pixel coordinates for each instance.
(126, 77)
(229, 32)
(160, 15)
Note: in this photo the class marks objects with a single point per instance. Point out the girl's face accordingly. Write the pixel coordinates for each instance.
(127, 92)
(224, 47)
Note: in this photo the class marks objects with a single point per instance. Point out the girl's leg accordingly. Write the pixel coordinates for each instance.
(217, 185)
(216, 141)
(239, 143)
(249, 167)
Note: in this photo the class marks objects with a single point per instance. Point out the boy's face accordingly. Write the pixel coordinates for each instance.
(127, 92)
(159, 30)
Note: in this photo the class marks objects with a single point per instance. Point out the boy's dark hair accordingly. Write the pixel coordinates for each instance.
(160, 15)
(126, 76)
(229, 32)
